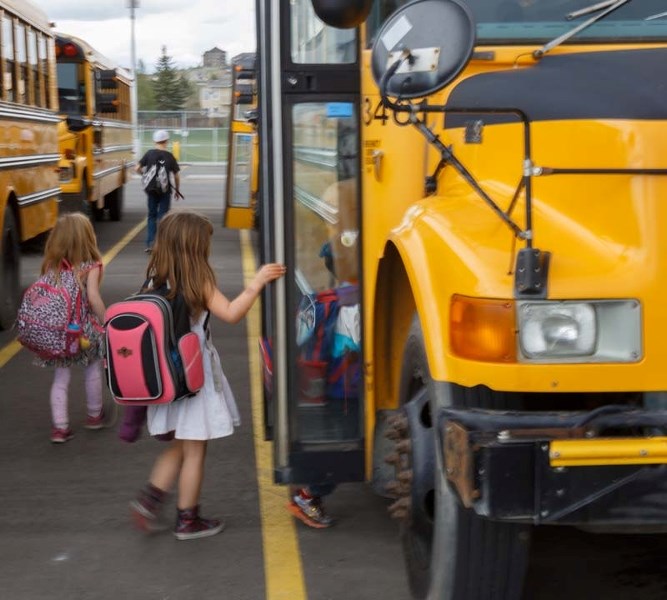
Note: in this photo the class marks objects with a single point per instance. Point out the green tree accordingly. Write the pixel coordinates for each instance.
(170, 90)
(144, 83)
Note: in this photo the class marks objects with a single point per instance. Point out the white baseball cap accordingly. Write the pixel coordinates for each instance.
(160, 135)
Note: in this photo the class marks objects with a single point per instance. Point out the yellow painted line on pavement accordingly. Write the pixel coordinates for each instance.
(283, 571)
(9, 352)
(13, 348)
(124, 241)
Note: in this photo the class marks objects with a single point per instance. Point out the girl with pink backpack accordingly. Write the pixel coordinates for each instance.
(180, 261)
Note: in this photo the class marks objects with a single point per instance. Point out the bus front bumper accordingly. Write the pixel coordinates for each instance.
(548, 468)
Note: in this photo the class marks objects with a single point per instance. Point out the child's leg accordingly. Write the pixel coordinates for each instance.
(167, 466)
(93, 383)
(146, 507)
(192, 473)
(189, 524)
(59, 387)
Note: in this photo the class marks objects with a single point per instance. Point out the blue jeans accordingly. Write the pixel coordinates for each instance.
(321, 489)
(158, 206)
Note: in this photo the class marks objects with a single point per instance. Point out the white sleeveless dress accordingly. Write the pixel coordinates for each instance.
(209, 414)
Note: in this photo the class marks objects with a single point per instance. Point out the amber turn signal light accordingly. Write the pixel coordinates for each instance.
(483, 329)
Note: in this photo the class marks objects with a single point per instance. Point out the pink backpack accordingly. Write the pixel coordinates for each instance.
(48, 307)
(149, 357)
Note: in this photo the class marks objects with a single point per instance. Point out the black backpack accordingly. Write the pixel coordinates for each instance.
(156, 177)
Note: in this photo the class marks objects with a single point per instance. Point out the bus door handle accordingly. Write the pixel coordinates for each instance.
(377, 163)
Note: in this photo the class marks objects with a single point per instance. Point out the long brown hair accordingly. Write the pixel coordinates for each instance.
(180, 259)
(72, 240)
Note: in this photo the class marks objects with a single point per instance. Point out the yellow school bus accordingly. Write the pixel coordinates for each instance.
(95, 136)
(470, 199)
(241, 190)
(29, 190)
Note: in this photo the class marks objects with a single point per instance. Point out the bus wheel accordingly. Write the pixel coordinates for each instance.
(87, 207)
(10, 273)
(450, 552)
(114, 202)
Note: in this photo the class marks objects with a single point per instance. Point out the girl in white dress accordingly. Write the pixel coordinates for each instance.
(180, 261)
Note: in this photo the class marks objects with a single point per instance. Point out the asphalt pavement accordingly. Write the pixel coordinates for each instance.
(65, 532)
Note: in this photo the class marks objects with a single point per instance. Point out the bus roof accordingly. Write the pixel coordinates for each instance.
(95, 57)
(29, 12)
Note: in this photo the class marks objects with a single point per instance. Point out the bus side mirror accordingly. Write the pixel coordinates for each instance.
(106, 91)
(422, 47)
(343, 14)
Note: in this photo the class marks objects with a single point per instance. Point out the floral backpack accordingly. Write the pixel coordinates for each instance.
(49, 306)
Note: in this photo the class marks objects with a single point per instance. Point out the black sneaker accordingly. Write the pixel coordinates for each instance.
(310, 511)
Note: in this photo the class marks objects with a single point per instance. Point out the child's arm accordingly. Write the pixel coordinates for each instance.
(233, 311)
(93, 290)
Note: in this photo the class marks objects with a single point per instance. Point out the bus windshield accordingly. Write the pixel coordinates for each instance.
(539, 21)
(70, 92)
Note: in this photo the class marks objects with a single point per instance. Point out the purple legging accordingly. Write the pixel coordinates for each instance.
(93, 382)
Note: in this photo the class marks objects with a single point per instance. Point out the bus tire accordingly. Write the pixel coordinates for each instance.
(10, 270)
(114, 202)
(87, 207)
(463, 555)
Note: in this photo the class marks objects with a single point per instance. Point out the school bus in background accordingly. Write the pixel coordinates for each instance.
(469, 196)
(95, 136)
(29, 190)
(241, 186)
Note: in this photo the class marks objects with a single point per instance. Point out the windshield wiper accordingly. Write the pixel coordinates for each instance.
(589, 9)
(607, 7)
(658, 16)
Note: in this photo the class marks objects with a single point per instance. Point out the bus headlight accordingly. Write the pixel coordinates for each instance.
(593, 331)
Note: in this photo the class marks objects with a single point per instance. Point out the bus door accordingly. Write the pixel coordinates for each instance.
(241, 190)
(310, 211)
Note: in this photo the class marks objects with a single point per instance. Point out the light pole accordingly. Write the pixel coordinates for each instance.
(132, 5)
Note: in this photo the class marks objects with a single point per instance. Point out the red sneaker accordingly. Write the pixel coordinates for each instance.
(146, 517)
(190, 526)
(95, 422)
(60, 436)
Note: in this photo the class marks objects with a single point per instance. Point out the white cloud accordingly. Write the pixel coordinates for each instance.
(187, 28)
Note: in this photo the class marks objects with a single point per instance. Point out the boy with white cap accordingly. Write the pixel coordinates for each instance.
(159, 201)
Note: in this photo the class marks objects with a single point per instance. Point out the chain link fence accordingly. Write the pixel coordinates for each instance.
(195, 137)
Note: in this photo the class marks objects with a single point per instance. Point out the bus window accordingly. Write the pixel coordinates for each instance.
(43, 53)
(19, 40)
(313, 42)
(70, 93)
(241, 172)
(8, 75)
(33, 76)
(326, 257)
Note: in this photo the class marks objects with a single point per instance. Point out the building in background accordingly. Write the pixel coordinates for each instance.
(215, 58)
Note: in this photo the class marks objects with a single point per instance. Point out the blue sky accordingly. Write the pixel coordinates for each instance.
(187, 28)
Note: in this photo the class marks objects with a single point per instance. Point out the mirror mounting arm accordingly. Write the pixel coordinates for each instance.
(447, 156)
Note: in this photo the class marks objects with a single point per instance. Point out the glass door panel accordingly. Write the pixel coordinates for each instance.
(327, 323)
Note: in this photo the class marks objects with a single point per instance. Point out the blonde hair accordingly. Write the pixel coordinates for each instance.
(72, 240)
(180, 259)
